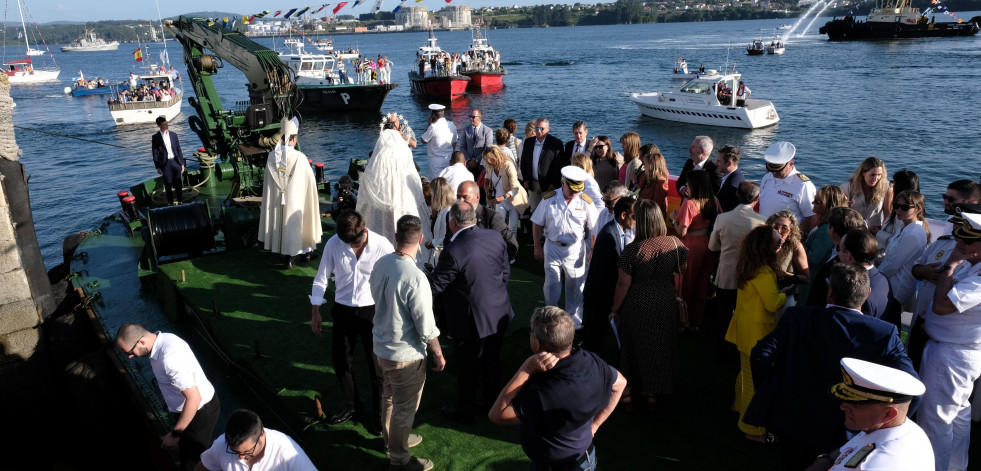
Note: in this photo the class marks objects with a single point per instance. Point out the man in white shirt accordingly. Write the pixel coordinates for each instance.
(440, 139)
(246, 444)
(349, 256)
(783, 187)
(188, 394)
(457, 172)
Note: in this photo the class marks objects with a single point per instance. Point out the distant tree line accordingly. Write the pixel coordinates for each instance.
(623, 12)
(122, 31)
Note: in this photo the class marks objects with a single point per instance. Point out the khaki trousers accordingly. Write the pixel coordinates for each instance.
(402, 384)
(534, 195)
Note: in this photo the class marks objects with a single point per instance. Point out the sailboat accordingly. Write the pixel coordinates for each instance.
(23, 70)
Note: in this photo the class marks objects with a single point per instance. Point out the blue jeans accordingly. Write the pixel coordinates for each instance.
(589, 464)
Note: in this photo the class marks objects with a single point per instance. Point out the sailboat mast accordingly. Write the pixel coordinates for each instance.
(162, 32)
(22, 25)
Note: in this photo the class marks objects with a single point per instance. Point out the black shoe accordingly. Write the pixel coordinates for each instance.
(305, 257)
(343, 416)
(290, 262)
(457, 415)
(373, 425)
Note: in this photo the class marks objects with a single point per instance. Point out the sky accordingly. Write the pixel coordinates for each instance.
(45, 11)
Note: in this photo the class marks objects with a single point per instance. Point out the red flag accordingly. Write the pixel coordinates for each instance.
(321, 8)
(339, 6)
(277, 13)
(250, 19)
(138, 55)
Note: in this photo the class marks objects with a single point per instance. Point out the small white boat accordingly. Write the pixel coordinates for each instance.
(34, 52)
(784, 26)
(702, 101)
(142, 112)
(23, 71)
(776, 47)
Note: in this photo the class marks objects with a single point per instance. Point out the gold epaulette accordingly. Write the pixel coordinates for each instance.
(860, 456)
(548, 194)
(803, 177)
(588, 199)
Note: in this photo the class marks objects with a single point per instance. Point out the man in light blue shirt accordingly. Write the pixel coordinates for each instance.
(403, 327)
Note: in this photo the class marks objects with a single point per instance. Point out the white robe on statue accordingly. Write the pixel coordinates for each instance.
(390, 187)
(289, 220)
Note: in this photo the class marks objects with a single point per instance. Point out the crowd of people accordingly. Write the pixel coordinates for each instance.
(445, 63)
(147, 91)
(835, 296)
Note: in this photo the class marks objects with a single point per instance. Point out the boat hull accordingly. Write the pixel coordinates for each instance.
(344, 97)
(104, 47)
(757, 113)
(775, 50)
(447, 88)
(754, 52)
(848, 29)
(485, 81)
(143, 112)
(34, 76)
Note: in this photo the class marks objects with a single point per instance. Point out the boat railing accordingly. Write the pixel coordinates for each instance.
(144, 105)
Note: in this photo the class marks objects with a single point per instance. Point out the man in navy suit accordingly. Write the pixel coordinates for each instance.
(579, 144)
(474, 139)
(727, 164)
(601, 279)
(794, 366)
(859, 246)
(472, 274)
(541, 164)
(169, 160)
(840, 221)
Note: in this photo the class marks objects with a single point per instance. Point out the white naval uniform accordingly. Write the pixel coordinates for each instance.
(937, 252)
(951, 363)
(440, 138)
(565, 228)
(796, 192)
(900, 448)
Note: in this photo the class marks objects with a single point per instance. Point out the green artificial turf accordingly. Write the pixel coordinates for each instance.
(261, 304)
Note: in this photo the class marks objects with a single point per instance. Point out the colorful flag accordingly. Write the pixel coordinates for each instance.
(378, 6)
(260, 15)
(138, 55)
(396, 10)
(164, 57)
(339, 6)
(321, 8)
(301, 12)
(287, 15)
(356, 2)
(277, 13)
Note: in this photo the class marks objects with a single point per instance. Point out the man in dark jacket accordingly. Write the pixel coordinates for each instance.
(169, 160)
(859, 246)
(601, 279)
(472, 275)
(542, 160)
(486, 219)
(794, 366)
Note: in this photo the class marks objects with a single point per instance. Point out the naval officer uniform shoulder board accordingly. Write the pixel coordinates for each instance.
(548, 194)
(588, 199)
(803, 177)
(860, 456)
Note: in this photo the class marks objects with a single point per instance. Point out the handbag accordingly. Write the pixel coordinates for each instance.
(682, 305)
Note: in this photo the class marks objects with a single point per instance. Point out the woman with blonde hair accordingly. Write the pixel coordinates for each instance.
(870, 192)
(757, 301)
(653, 182)
(583, 161)
(630, 143)
(644, 305)
(504, 193)
(818, 243)
(907, 244)
(791, 267)
(441, 198)
(606, 162)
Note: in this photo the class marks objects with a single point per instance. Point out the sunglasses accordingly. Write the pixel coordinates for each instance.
(599, 146)
(539, 129)
(905, 207)
(948, 198)
(473, 116)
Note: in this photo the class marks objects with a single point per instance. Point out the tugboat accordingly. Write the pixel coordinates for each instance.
(708, 100)
(484, 66)
(893, 19)
(433, 79)
(323, 87)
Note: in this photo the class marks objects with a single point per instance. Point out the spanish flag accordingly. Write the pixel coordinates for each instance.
(138, 55)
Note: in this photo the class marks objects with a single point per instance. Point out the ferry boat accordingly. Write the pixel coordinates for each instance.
(322, 87)
(435, 82)
(90, 43)
(484, 69)
(893, 19)
(700, 102)
(143, 112)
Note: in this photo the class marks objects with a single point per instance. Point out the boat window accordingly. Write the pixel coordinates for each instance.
(697, 87)
(306, 66)
(318, 65)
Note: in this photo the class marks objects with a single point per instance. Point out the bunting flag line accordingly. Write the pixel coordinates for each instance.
(138, 55)
(277, 13)
(301, 12)
(260, 15)
(399, 7)
(321, 8)
(338, 7)
(287, 15)
(356, 2)
(378, 6)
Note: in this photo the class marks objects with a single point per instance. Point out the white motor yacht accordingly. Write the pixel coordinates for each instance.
(703, 101)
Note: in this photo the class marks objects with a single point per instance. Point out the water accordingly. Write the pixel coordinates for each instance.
(911, 103)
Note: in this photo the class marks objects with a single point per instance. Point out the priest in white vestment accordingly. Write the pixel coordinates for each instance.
(390, 187)
(289, 221)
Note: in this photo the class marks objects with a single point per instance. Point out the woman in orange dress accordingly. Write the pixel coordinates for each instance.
(653, 181)
(693, 222)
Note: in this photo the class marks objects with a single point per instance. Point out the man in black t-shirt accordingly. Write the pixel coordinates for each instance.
(560, 396)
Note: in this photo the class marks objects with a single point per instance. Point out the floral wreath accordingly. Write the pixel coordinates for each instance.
(402, 122)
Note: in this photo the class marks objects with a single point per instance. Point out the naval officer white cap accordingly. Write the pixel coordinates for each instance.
(575, 176)
(778, 154)
(437, 107)
(866, 382)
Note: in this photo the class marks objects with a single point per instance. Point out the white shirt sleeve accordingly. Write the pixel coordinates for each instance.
(903, 249)
(807, 196)
(323, 274)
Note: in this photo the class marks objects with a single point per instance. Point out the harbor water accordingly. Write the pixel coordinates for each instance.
(913, 103)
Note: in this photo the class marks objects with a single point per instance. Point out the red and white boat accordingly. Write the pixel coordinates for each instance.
(23, 71)
(484, 65)
(433, 78)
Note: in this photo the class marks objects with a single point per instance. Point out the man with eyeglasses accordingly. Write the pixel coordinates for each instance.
(475, 138)
(246, 442)
(188, 394)
(541, 164)
(783, 187)
(349, 257)
(952, 358)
